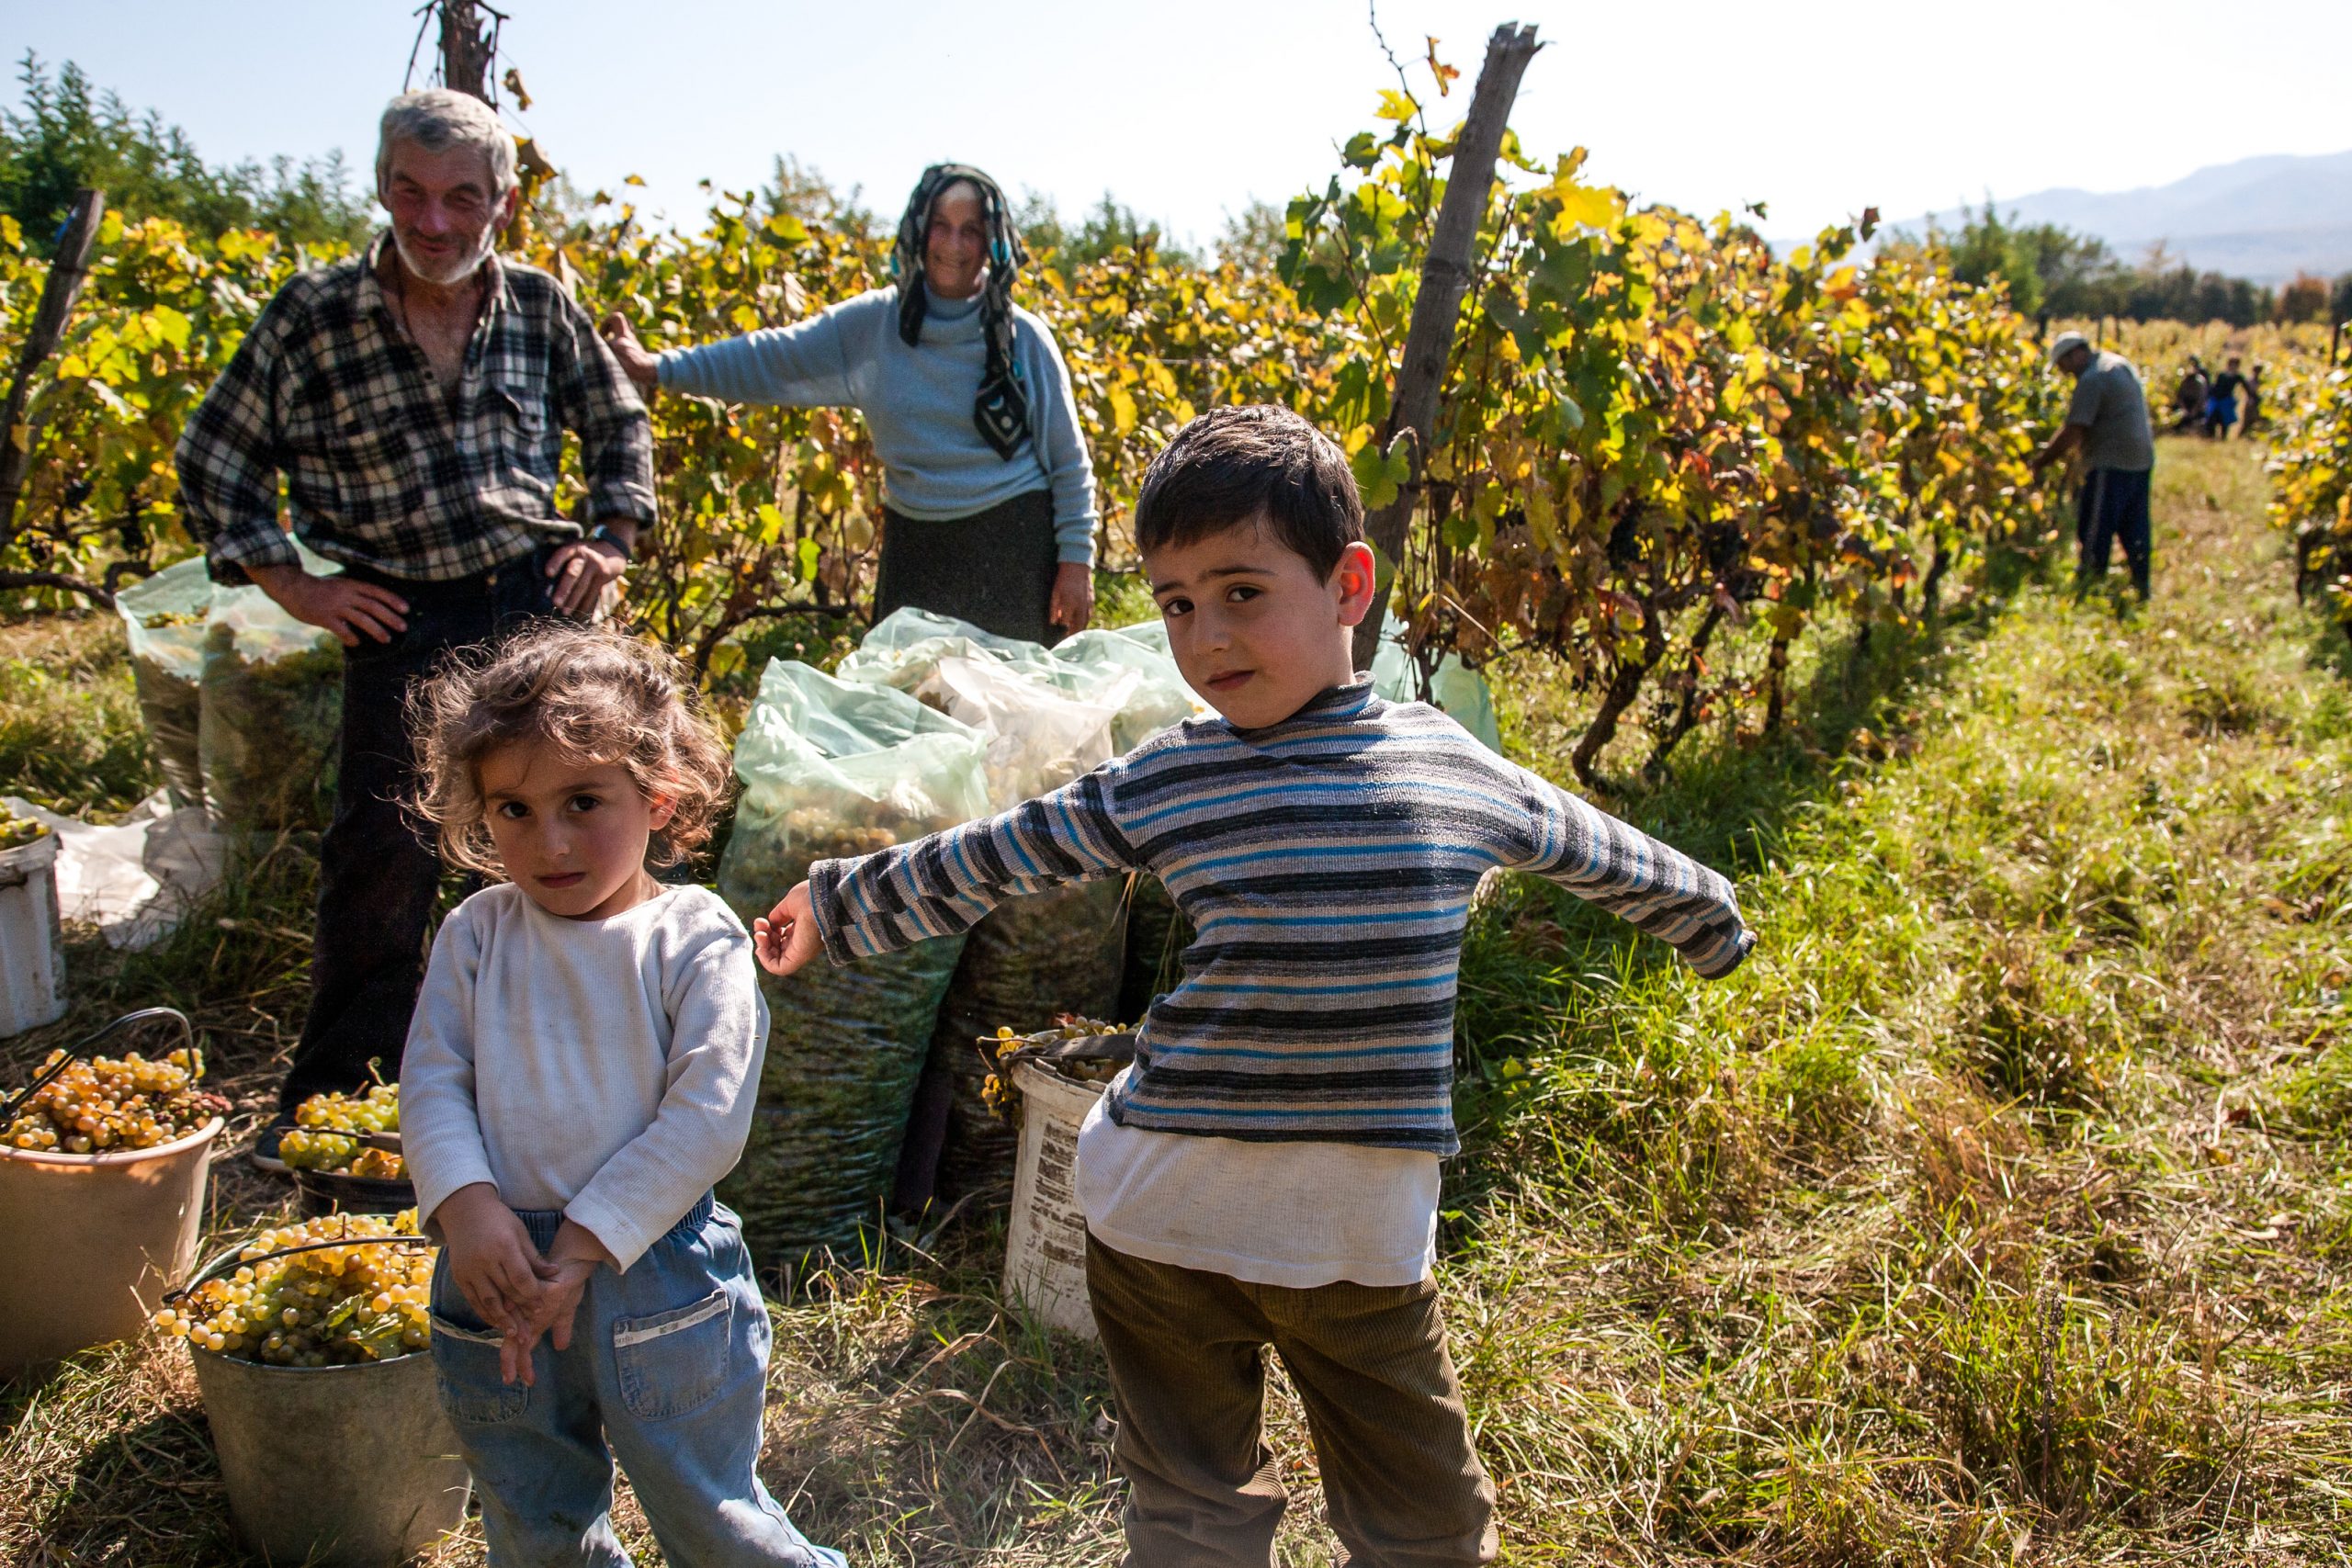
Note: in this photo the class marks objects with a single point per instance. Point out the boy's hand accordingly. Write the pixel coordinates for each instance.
(491, 1254)
(785, 937)
(563, 1275)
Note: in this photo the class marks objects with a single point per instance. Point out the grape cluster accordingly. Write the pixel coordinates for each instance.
(163, 618)
(18, 831)
(114, 1104)
(332, 1307)
(821, 834)
(328, 1127)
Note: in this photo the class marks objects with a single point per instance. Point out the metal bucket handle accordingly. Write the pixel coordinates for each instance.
(80, 1047)
(235, 1255)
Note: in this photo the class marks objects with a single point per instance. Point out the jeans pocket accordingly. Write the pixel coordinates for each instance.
(465, 1361)
(674, 1362)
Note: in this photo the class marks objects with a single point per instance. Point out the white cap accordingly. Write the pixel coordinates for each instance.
(2063, 342)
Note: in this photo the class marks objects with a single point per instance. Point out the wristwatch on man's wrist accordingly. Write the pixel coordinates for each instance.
(600, 534)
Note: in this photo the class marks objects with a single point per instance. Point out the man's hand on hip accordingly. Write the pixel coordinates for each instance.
(581, 571)
(342, 605)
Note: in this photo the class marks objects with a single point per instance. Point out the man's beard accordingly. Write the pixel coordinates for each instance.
(449, 274)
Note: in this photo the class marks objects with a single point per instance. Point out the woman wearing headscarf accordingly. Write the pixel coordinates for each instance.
(989, 494)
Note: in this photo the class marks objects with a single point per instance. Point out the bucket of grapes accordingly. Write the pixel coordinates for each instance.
(309, 1348)
(102, 1162)
(344, 1151)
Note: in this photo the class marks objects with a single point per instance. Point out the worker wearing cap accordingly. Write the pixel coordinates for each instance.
(2108, 423)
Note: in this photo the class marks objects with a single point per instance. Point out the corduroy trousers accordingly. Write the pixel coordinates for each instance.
(1187, 1355)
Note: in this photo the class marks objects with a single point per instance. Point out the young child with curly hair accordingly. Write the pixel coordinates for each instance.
(580, 1070)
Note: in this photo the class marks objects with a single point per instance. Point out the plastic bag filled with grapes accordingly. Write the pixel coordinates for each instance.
(1158, 696)
(906, 645)
(162, 616)
(272, 714)
(832, 767)
(1028, 959)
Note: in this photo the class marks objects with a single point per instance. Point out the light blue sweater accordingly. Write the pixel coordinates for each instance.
(917, 404)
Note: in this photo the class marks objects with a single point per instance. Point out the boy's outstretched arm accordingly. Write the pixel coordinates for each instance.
(942, 884)
(1640, 879)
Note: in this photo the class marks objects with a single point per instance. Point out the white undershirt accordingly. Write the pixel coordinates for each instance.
(1297, 1215)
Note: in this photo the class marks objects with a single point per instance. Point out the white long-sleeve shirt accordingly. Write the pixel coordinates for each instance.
(607, 1068)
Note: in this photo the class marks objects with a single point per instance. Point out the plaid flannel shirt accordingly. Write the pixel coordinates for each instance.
(382, 471)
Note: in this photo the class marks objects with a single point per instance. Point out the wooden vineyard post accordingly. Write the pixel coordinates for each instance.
(67, 268)
(467, 46)
(1437, 309)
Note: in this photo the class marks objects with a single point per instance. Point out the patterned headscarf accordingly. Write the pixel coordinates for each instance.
(1001, 410)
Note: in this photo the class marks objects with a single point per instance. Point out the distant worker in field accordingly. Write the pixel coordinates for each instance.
(2189, 398)
(414, 398)
(2108, 423)
(2221, 402)
(988, 490)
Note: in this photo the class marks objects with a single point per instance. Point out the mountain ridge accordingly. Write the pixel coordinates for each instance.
(2264, 218)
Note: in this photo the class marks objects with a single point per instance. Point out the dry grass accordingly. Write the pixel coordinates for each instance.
(1997, 1212)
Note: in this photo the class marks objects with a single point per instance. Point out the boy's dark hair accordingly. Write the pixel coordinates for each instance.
(1235, 463)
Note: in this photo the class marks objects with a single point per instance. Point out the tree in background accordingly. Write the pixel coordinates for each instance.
(68, 135)
(2304, 300)
(2052, 271)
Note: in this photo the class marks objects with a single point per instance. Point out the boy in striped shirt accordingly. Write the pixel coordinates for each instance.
(1266, 1173)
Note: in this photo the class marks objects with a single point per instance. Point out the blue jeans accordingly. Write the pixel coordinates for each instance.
(668, 1365)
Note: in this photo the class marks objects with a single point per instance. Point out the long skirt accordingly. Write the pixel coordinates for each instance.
(994, 568)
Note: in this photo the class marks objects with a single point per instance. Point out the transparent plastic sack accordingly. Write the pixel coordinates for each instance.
(1039, 736)
(1158, 697)
(163, 618)
(1455, 690)
(270, 733)
(832, 767)
(907, 644)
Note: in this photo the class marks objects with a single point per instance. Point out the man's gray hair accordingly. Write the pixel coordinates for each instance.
(436, 119)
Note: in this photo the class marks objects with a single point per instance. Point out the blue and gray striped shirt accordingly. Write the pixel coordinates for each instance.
(1327, 864)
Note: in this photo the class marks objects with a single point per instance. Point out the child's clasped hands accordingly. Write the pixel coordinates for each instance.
(508, 1282)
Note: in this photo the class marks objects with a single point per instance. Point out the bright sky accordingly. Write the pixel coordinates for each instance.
(1187, 111)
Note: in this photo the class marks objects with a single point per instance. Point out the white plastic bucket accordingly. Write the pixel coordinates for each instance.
(32, 956)
(1044, 1251)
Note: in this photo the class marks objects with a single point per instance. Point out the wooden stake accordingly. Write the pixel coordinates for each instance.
(466, 48)
(1437, 309)
(67, 268)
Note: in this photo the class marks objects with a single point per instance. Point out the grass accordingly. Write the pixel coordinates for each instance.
(1999, 1212)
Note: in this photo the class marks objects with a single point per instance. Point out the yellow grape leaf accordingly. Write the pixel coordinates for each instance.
(1123, 410)
(1395, 105)
(73, 367)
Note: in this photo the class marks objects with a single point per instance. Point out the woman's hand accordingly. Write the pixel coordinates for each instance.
(636, 362)
(785, 937)
(492, 1260)
(1073, 601)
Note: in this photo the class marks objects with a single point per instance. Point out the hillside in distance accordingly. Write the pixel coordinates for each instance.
(2265, 219)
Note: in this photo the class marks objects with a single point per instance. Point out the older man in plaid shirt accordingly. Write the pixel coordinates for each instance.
(414, 399)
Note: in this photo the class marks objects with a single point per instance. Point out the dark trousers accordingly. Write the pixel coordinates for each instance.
(377, 875)
(1186, 1348)
(2112, 510)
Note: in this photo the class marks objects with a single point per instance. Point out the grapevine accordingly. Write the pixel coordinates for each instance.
(328, 1306)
